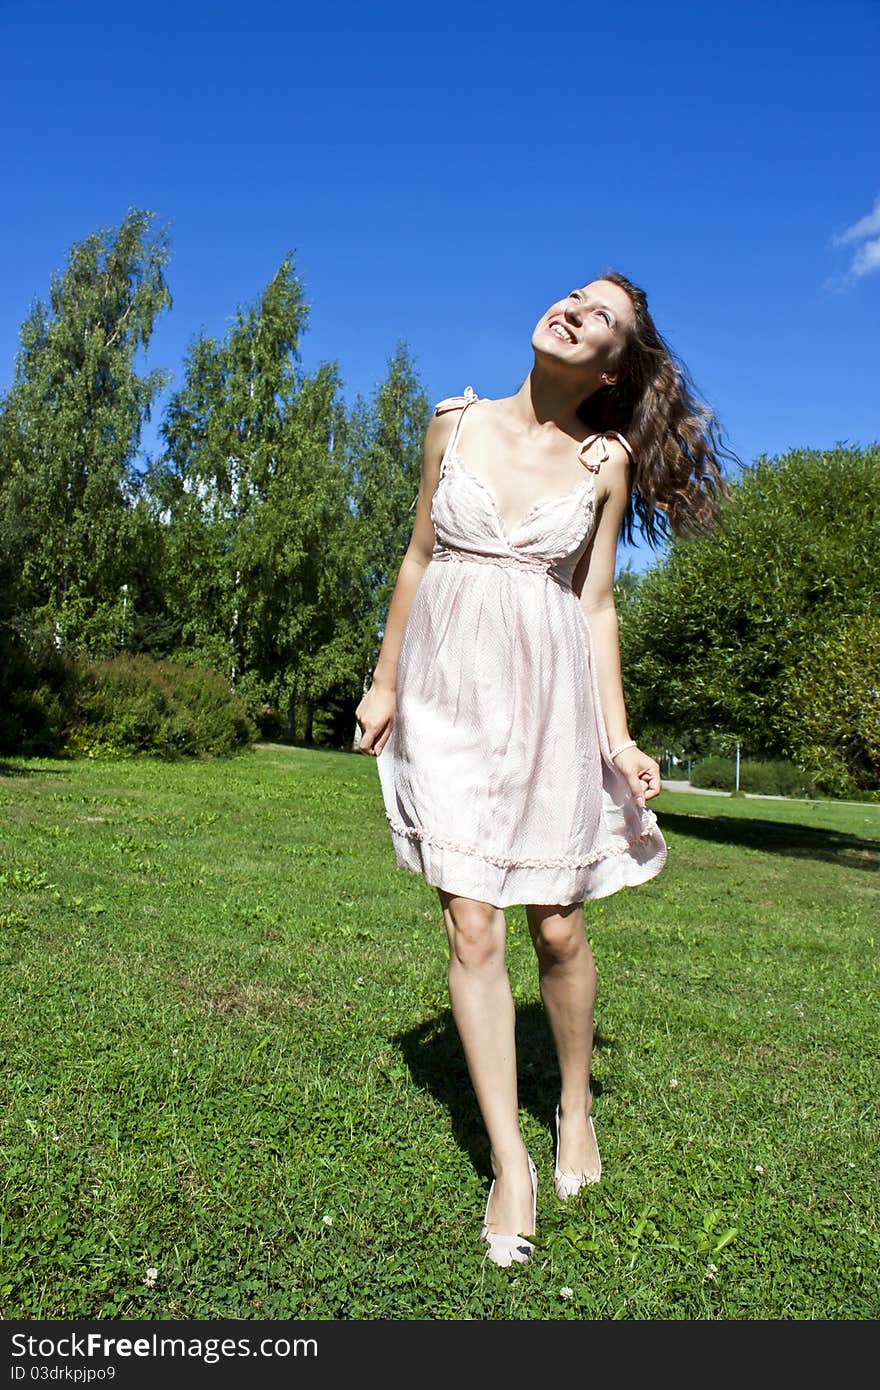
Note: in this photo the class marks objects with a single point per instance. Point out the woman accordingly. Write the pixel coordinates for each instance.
(496, 709)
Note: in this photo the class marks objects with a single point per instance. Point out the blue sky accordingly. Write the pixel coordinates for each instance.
(442, 173)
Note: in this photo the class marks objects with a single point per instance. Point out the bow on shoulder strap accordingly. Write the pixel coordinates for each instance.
(590, 440)
(455, 402)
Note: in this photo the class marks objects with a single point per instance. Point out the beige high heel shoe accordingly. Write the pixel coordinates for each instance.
(569, 1184)
(506, 1250)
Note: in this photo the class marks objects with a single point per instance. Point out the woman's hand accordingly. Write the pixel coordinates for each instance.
(375, 715)
(642, 772)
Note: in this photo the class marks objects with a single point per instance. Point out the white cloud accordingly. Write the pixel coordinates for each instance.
(865, 226)
(866, 257)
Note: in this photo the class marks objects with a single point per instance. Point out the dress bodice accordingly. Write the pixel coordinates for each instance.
(549, 539)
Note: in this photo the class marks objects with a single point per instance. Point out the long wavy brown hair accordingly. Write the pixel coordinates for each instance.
(677, 482)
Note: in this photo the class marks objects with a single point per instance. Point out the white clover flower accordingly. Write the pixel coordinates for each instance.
(566, 1293)
(327, 1220)
(711, 1271)
(150, 1277)
(758, 1168)
(673, 1084)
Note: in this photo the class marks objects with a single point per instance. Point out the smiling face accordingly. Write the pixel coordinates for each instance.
(588, 329)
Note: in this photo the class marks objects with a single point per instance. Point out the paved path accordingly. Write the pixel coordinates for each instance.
(673, 786)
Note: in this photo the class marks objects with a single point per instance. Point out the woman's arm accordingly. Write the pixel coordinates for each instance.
(593, 582)
(375, 713)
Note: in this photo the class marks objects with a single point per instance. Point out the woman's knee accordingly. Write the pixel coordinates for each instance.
(558, 934)
(476, 932)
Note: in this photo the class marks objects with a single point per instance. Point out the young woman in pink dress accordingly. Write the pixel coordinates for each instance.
(496, 710)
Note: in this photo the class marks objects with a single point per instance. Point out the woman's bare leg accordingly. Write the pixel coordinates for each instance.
(567, 976)
(482, 1006)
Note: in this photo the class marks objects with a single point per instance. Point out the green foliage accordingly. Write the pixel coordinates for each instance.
(69, 431)
(53, 703)
(37, 692)
(831, 705)
(263, 543)
(626, 588)
(389, 453)
(731, 631)
(299, 563)
(714, 772)
(132, 704)
(765, 777)
(262, 546)
(226, 433)
(774, 777)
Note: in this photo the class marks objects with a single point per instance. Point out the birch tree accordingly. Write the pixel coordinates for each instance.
(71, 430)
(224, 434)
(388, 444)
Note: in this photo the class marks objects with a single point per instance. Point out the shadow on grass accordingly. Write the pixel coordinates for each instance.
(434, 1056)
(300, 745)
(778, 837)
(17, 770)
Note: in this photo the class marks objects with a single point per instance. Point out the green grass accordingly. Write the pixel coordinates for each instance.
(229, 1058)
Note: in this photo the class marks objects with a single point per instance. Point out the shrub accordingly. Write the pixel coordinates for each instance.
(133, 704)
(774, 777)
(36, 695)
(714, 772)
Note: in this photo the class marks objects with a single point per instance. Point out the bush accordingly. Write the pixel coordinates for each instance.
(714, 772)
(774, 777)
(133, 704)
(55, 704)
(36, 695)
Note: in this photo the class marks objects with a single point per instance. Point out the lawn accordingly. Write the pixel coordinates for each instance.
(230, 1061)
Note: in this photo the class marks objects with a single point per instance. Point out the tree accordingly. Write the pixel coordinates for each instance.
(721, 626)
(324, 553)
(626, 587)
(831, 707)
(225, 433)
(260, 538)
(389, 452)
(70, 429)
(300, 565)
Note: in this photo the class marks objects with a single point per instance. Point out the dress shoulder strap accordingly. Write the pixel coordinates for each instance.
(591, 439)
(461, 404)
